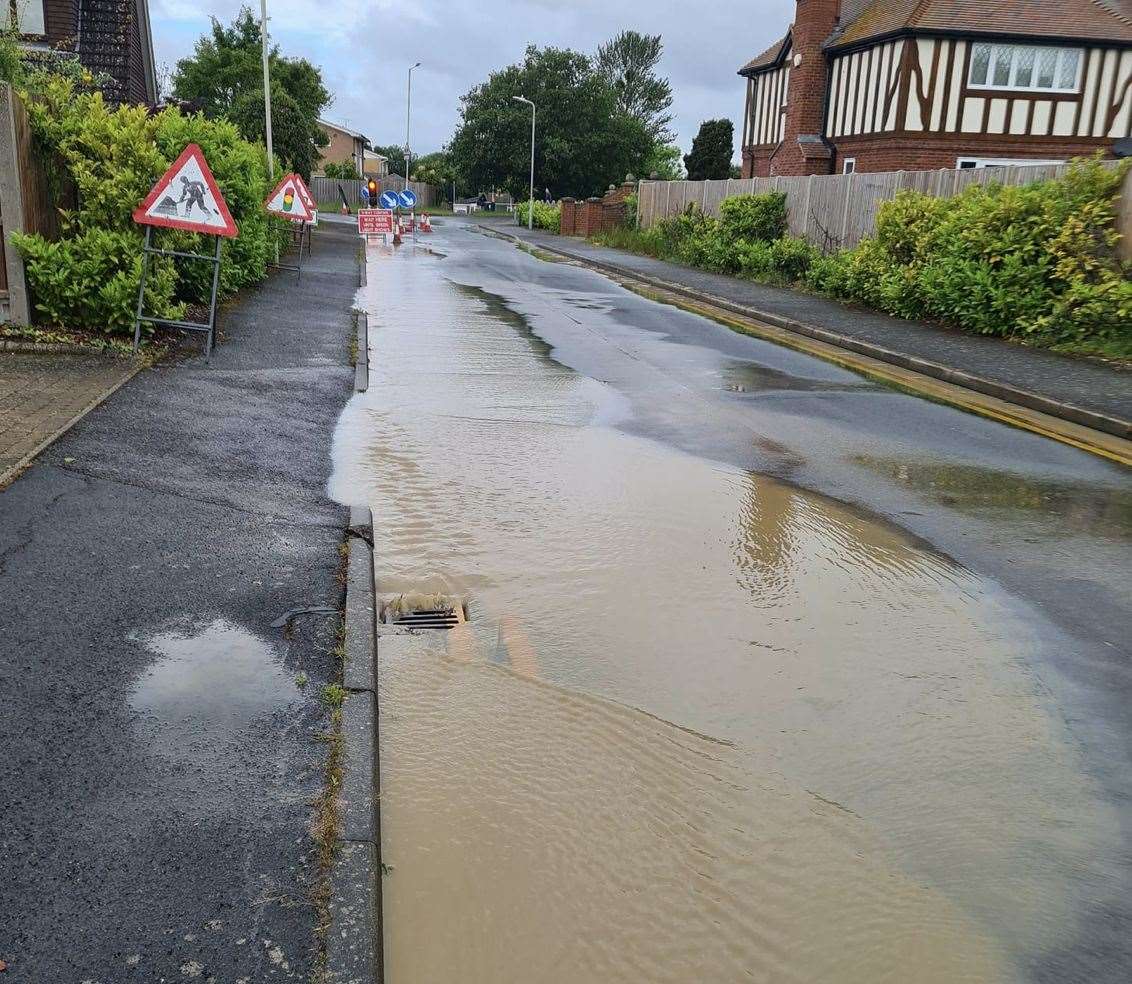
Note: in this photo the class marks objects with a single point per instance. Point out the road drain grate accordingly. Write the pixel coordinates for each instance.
(423, 612)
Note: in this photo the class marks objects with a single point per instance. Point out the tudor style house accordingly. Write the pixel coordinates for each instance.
(112, 38)
(887, 85)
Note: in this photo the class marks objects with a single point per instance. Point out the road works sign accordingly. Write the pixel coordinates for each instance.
(408, 198)
(286, 201)
(307, 197)
(186, 197)
(390, 199)
(375, 222)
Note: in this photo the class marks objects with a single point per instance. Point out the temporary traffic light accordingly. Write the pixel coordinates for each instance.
(371, 187)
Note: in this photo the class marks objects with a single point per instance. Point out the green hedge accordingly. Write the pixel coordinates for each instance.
(1036, 262)
(547, 216)
(88, 280)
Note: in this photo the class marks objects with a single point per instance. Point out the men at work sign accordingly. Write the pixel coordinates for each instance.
(186, 197)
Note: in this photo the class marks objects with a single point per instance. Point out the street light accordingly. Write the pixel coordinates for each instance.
(267, 107)
(408, 116)
(531, 200)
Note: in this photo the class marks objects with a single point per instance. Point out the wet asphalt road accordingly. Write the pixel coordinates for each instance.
(157, 759)
(1051, 525)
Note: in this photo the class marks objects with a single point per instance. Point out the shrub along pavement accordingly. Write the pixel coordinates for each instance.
(1036, 263)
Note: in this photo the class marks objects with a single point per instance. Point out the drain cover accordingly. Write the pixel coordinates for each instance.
(424, 612)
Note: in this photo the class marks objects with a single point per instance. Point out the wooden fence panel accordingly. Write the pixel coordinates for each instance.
(326, 189)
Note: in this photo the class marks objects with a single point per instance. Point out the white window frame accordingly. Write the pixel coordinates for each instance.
(849, 166)
(978, 163)
(996, 49)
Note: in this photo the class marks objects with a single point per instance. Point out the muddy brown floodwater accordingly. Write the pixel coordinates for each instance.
(702, 725)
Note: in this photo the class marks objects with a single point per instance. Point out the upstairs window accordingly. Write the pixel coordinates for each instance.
(1025, 68)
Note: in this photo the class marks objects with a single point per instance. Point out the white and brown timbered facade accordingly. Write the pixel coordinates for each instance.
(926, 94)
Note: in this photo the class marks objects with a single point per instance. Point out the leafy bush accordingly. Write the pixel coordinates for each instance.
(89, 281)
(548, 217)
(1036, 261)
(112, 157)
(754, 217)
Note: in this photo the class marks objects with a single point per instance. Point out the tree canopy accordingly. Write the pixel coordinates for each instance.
(710, 159)
(224, 78)
(628, 65)
(396, 157)
(583, 143)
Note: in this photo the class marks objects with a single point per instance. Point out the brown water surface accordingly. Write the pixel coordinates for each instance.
(702, 725)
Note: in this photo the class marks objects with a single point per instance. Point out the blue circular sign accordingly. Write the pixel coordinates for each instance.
(408, 198)
(389, 199)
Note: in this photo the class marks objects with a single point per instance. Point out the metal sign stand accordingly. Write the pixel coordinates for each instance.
(303, 237)
(209, 328)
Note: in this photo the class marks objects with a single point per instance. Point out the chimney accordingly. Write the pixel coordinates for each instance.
(803, 150)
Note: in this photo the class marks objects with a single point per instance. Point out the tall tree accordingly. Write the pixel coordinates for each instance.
(396, 157)
(628, 65)
(224, 78)
(712, 147)
(583, 142)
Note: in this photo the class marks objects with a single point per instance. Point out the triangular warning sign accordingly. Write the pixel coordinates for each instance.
(305, 193)
(286, 201)
(186, 197)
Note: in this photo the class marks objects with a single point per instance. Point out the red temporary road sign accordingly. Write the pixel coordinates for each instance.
(186, 197)
(305, 193)
(286, 201)
(375, 222)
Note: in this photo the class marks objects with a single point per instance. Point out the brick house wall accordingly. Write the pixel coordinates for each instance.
(343, 146)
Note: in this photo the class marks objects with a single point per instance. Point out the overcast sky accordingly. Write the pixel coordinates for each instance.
(364, 48)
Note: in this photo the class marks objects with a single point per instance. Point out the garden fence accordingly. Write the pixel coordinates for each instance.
(832, 211)
(325, 190)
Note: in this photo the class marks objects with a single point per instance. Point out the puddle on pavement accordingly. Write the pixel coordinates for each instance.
(211, 680)
(750, 377)
(1079, 508)
(898, 798)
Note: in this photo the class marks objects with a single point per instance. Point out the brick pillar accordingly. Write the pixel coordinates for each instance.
(569, 220)
(803, 151)
(590, 219)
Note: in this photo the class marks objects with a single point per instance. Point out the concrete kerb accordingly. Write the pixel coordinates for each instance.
(1067, 412)
(353, 945)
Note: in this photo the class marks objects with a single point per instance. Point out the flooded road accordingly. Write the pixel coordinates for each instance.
(711, 718)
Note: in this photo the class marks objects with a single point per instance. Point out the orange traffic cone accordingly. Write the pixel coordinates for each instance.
(397, 233)
(345, 210)
(426, 222)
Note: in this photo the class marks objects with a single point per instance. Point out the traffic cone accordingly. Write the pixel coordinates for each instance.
(397, 233)
(344, 209)
(426, 222)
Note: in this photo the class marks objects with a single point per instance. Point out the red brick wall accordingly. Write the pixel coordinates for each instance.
(814, 21)
(595, 214)
(897, 152)
(569, 218)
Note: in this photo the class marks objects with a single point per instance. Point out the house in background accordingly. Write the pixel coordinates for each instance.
(888, 85)
(376, 165)
(110, 37)
(345, 145)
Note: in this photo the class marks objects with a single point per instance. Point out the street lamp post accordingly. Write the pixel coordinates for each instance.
(531, 200)
(266, 90)
(408, 117)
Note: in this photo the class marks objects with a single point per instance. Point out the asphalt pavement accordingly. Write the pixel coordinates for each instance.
(158, 751)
